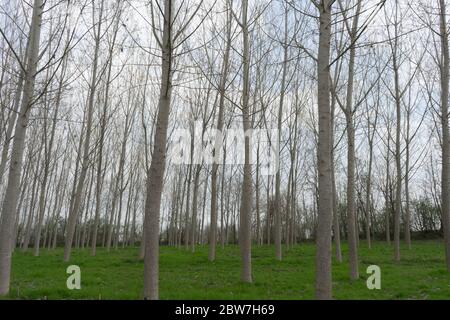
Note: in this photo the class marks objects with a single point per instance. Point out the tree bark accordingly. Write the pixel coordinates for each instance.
(325, 209)
(277, 213)
(445, 133)
(158, 163)
(12, 189)
(245, 240)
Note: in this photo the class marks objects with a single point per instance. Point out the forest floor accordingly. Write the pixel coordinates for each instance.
(118, 274)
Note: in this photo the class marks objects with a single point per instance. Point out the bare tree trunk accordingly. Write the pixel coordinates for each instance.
(179, 231)
(84, 225)
(336, 224)
(24, 187)
(128, 210)
(158, 163)
(351, 208)
(112, 214)
(188, 198)
(258, 214)
(32, 203)
(398, 165)
(173, 209)
(294, 204)
(227, 216)
(194, 207)
(222, 202)
(245, 239)
(59, 195)
(11, 124)
(407, 168)
(277, 216)
(268, 210)
(99, 182)
(397, 95)
(202, 230)
(368, 195)
(12, 189)
(372, 121)
(325, 210)
(85, 161)
(121, 190)
(47, 156)
(352, 221)
(387, 190)
(108, 209)
(288, 205)
(214, 192)
(445, 133)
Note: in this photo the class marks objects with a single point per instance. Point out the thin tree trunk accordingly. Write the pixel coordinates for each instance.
(336, 224)
(73, 215)
(99, 182)
(188, 196)
(398, 165)
(407, 168)
(47, 156)
(222, 201)
(277, 213)
(324, 221)
(214, 192)
(32, 203)
(445, 133)
(194, 207)
(258, 214)
(11, 124)
(353, 230)
(245, 240)
(387, 192)
(202, 230)
(368, 196)
(158, 163)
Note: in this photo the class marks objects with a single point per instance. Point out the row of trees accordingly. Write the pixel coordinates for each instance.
(93, 92)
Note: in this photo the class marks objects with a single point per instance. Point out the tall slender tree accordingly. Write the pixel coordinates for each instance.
(12, 189)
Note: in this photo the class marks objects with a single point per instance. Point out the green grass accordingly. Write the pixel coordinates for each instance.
(118, 274)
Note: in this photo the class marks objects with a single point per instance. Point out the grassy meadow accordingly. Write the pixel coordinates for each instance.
(118, 274)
